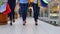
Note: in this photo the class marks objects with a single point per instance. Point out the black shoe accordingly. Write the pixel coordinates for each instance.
(24, 22)
(36, 24)
(13, 20)
(11, 24)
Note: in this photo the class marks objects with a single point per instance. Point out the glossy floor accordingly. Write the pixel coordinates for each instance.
(29, 28)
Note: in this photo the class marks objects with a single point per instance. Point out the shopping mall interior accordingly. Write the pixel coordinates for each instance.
(48, 21)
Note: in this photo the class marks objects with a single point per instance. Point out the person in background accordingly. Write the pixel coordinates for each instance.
(24, 8)
(12, 4)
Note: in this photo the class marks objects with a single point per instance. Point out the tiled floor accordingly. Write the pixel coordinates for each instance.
(30, 28)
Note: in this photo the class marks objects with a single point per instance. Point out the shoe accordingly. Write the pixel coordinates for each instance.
(36, 23)
(24, 22)
(11, 24)
(13, 20)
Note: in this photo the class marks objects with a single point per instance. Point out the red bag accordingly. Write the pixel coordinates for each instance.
(8, 10)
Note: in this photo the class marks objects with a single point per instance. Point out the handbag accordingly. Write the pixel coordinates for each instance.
(17, 7)
(8, 10)
(16, 10)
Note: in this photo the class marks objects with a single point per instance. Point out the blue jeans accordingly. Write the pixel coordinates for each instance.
(24, 8)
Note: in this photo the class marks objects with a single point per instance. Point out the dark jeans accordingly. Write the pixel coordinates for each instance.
(36, 11)
(11, 15)
(24, 8)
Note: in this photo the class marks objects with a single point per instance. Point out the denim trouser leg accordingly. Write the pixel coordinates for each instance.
(24, 8)
(36, 11)
(11, 15)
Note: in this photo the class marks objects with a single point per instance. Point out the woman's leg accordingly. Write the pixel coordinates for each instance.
(24, 8)
(12, 17)
(36, 12)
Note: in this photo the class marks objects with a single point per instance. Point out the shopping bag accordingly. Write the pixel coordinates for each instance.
(16, 11)
(4, 15)
(8, 10)
(17, 8)
(3, 19)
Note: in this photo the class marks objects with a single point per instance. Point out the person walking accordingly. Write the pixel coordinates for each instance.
(36, 9)
(12, 4)
(23, 8)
